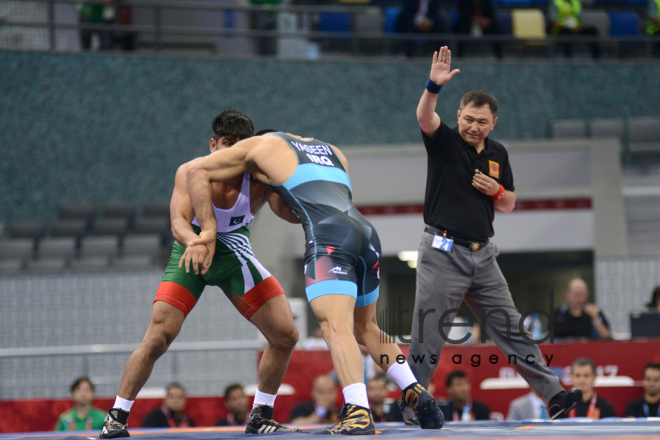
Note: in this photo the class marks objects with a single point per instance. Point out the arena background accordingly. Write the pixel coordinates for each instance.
(107, 130)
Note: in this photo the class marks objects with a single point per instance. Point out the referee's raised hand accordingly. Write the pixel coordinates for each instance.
(441, 72)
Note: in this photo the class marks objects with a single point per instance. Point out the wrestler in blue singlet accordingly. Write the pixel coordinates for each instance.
(342, 253)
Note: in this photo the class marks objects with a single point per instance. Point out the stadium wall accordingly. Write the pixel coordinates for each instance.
(97, 128)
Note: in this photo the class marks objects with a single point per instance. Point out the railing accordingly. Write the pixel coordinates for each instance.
(351, 41)
(127, 348)
(106, 381)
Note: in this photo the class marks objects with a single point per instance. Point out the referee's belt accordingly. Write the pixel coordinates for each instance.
(474, 246)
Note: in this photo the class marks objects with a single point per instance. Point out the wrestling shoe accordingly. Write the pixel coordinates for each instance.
(115, 424)
(563, 402)
(352, 420)
(261, 422)
(427, 413)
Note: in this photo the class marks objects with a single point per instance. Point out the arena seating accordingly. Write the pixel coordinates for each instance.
(79, 240)
(606, 127)
(642, 134)
(568, 128)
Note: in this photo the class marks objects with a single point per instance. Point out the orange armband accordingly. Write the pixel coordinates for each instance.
(499, 196)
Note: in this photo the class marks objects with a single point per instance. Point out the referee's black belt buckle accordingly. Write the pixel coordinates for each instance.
(474, 246)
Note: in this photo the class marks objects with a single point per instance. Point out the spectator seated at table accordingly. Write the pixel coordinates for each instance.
(579, 319)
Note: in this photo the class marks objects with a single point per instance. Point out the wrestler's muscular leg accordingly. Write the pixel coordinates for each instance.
(274, 320)
(368, 334)
(335, 316)
(424, 405)
(166, 321)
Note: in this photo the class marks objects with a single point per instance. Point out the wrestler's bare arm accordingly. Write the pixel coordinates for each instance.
(280, 207)
(218, 166)
(181, 210)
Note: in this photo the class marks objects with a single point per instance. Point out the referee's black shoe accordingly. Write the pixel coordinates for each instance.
(429, 416)
(115, 424)
(563, 402)
(261, 422)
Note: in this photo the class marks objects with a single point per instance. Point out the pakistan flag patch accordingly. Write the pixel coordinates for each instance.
(236, 220)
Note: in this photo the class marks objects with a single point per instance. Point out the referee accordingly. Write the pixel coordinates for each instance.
(468, 176)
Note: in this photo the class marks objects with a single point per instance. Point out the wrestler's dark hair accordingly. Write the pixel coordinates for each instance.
(581, 362)
(232, 387)
(232, 125)
(264, 131)
(479, 98)
(76, 383)
(458, 374)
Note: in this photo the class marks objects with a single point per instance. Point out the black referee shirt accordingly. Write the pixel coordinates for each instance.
(452, 203)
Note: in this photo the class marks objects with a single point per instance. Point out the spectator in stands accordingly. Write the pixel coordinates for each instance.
(83, 416)
(315, 341)
(649, 404)
(529, 406)
(461, 407)
(653, 23)
(419, 16)
(592, 406)
(654, 305)
(565, 20)
(237, 403)
(577, 318)
(477, 18)
(126, 40)
(265, 21)
(380, 410)
(170, 414)
(97, 14)
(322, 408)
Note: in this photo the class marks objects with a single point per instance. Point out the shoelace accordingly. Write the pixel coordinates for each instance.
(117, 425)
(337, 427)
(255, 415)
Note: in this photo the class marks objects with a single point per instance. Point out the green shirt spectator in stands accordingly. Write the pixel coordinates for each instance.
(92, 12)
(83, 416)
(565, 14)
(267, 2)
(265, 21)
(565, 21)
(72, 421)
(653, 23)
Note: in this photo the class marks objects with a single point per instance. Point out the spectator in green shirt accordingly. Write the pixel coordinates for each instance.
(97, 14)
(653, 22)
(565, 21)
(83, 416)
(265, 21)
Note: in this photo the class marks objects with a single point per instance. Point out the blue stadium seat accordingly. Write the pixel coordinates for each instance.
(637, 2)
(624, 23)
(503, 19)
(391, 16)
(453, 18)
(334, 22)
